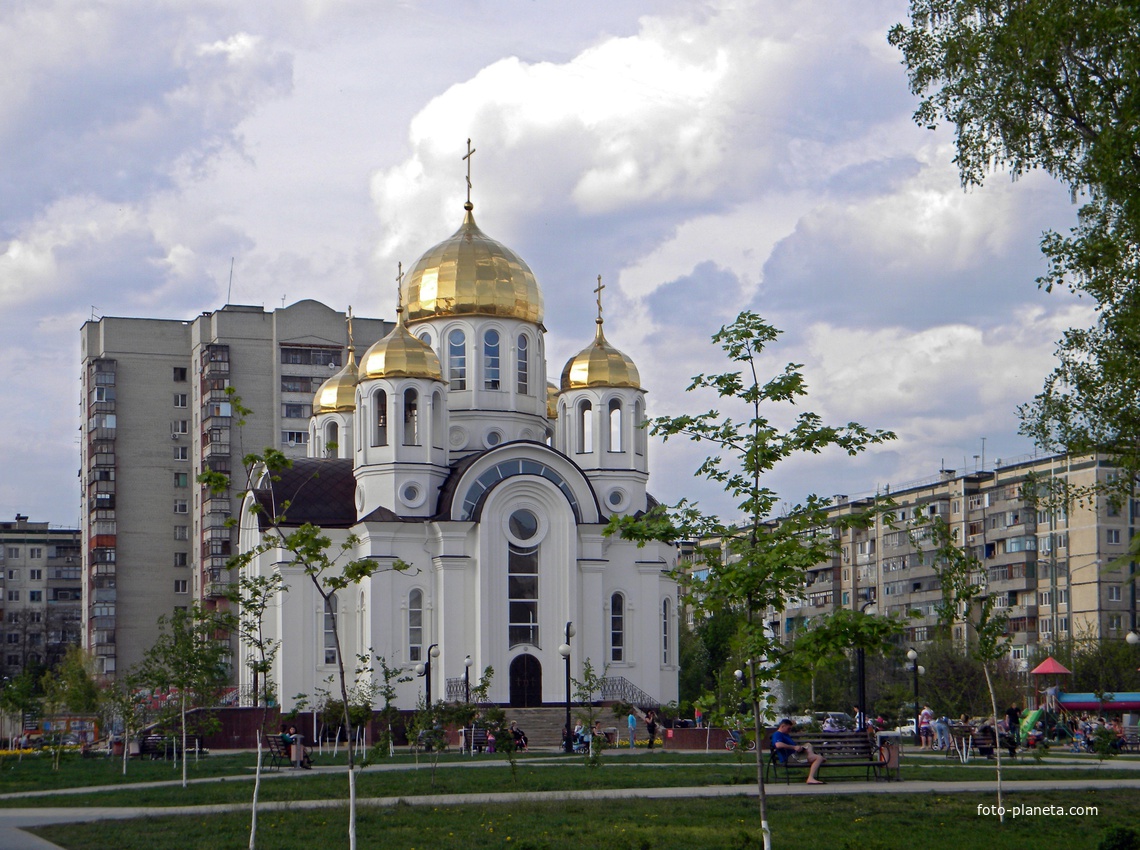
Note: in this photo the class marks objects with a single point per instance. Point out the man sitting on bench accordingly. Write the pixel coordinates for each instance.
(785, 747)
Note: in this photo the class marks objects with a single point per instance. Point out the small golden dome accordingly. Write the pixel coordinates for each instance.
(552, 401)
(600, 365)
(470, 273)
(338, 393)
(400, 355)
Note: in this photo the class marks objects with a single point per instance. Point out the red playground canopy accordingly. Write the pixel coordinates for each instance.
(1050, 666)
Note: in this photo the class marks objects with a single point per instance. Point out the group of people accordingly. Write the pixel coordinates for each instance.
(584, 739)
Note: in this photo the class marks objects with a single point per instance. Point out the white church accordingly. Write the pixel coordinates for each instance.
(454, 455)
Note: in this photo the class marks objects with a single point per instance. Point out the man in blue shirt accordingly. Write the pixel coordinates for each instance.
(785, 747)
(632, 722)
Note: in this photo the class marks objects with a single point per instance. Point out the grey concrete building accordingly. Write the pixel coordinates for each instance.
(157, 412)
(40, 567)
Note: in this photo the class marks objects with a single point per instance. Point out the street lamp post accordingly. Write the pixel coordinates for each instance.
(424, 670)
(467, 662)
(861, 671)
(912, 656)
(564, 651)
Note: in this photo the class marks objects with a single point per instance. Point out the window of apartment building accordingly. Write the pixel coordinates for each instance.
(13, 575)
(179, 374)
(180, 399)
(1112, 536)
(180, 426)
(182, 453)
(13, 596)
(295, 438)
(13, 552)
(1045, 597)
(1063, 624)
(36, 616)
(13, 660)
(1063, 596)
(956, 506)
(1114, 621)
(1114, 593)
(181, 559)
(35, 575)
(36, 553)
(1045, 626)
(181, 532)
(296, 411)
(180, 585)
(180, 506)
(846, 597)
(35, 596)
(299, 384)
(182, 479)
(310, 356)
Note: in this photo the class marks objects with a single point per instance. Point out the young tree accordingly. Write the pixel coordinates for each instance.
(762, 562)
(1053, 85)
(70, 686)
(967, 603)
(191, 657)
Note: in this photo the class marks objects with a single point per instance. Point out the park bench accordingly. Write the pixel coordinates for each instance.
(969, 742)
(475, 739)
(278, 753)
(157, 747)
(847, 751)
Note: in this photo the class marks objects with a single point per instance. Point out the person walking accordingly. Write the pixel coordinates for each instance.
(651, 726)
(632, 721)
(1013, 722)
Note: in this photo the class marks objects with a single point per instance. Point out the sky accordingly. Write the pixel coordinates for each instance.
(702, 157)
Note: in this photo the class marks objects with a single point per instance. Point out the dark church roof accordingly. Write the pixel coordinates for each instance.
(321, 491)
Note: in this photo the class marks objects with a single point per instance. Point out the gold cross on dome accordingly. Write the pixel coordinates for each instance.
(399, 285)
(598, 292)
(470, 151)
(349, 320)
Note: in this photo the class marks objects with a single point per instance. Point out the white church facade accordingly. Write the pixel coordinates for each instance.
(445, 448)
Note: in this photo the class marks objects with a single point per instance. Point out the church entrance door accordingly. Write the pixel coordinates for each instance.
(526, 682)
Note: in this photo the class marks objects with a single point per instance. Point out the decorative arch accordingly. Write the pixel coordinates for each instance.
(617, 627)
(380, 422)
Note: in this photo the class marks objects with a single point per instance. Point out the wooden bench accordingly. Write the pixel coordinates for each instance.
(157, 747)
(278, 753)
(475, 739)
(843, 750)
(968, 742)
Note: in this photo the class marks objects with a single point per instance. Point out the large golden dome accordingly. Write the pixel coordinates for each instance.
(400, 355)
(470, 273)
(600, 365)
(338, 393)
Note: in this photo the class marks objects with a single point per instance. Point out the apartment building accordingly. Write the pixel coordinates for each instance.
(40, 568)
(157, 412)
(1049, 533)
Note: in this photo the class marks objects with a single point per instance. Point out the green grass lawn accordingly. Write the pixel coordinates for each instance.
(837, 822)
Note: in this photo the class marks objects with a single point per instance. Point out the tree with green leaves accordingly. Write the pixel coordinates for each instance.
(190, 660)
(763, 562)
(69, 687)
(968, 604)
(1054, 85)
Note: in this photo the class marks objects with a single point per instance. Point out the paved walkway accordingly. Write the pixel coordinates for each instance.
(13, 821)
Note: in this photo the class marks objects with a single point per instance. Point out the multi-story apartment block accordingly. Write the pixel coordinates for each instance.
(40, 592)
(1057, 563)
(158, 412)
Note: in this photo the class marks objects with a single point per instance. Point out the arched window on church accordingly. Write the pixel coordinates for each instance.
(491, 372)
(585, 427)
(457, 360)
(617, 628)
(361, 619)
(411, 418)
(330, 630)
(522, 580)
(615, 425)
(380, 431)
(332, 439)
(666, 644)
(416, 625)
(638, 431)
(437, 434)
(524, 366)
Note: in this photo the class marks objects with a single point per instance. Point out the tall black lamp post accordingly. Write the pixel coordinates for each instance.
(467, 662)
(912, 656)
(564, 651)
(861, 672)
(424, 670)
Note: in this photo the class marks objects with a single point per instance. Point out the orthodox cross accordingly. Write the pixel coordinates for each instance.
(598, 292)
(350, 345)
(470, 150)
(399, 286)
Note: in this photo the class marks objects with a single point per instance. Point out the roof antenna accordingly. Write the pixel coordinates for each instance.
(230, 288)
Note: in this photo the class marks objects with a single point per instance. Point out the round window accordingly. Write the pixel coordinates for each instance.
(615, 497)
(412, 494)
(523, 524)
(493, 438)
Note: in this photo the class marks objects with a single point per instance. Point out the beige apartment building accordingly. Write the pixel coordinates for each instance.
(1057, 564)
(156, 414)
(40, 567)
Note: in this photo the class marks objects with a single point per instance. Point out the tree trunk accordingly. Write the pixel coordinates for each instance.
(997, 737)
(759, 729)
(183, 696)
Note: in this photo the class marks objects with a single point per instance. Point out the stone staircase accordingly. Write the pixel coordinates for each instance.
(543, 726)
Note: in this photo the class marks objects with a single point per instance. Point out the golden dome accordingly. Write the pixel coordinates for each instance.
(338, 393)
(470, 273)
(552, 401)
(600, 365)
(400, 355)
